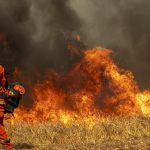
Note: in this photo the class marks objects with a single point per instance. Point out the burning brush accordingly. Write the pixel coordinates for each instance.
(94, 87)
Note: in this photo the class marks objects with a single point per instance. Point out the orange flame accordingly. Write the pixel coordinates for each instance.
(94, 86)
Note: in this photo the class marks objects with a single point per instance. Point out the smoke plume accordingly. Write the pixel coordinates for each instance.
(37, 32)
(122, 26)
(33, 33)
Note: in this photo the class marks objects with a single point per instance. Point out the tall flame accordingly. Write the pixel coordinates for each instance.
(94, 86)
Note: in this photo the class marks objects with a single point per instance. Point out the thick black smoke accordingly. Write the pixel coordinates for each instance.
(122, 25)
(37, 32)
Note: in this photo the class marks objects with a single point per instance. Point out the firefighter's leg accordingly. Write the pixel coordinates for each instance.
(4, 138)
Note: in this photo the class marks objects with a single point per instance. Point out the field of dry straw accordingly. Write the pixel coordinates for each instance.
(117, 133)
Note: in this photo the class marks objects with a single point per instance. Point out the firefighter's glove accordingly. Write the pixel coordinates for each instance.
(20, 89)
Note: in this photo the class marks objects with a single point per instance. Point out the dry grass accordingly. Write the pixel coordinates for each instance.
(109, 134)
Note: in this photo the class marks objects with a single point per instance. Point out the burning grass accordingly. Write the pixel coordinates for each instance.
(113, 133)
(70, 105)
(94, 86)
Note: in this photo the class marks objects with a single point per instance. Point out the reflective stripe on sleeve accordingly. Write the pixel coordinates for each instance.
(2, 101)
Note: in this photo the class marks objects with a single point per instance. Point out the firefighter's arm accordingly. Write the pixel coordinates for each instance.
(16, 89)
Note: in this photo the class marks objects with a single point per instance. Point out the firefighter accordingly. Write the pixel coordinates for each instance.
(4, 93)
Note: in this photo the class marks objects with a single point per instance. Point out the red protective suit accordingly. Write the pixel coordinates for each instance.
(4, 138)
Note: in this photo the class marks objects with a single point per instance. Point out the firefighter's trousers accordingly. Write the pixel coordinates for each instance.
(4, 138)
